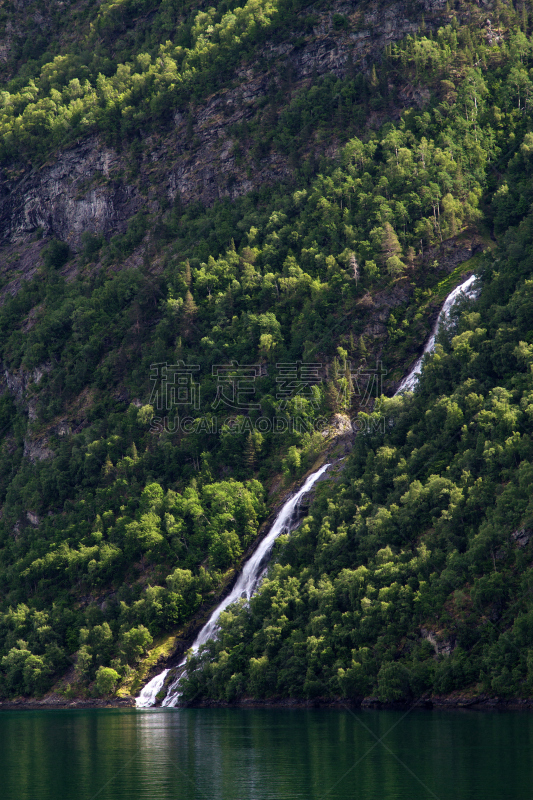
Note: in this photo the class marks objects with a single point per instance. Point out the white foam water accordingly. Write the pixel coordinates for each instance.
(245, 586)
(147, 697)
(465, 289)
(255, 568)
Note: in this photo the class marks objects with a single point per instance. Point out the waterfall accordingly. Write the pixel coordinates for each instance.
(463, 290)
(149, 693)
(245, 586)
(255, 568)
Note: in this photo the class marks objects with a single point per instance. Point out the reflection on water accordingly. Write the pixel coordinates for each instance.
(234, 754)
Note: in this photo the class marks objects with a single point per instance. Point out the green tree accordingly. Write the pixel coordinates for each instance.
(225, 549)
(393, 682)
(135, 642)
(106, 680)
(390, 249)
(36, 675)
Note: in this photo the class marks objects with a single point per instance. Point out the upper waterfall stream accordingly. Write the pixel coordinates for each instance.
(463, 290)
(245, 585)
(253, 570)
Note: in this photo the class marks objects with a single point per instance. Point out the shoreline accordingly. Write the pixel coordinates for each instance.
(195, 624)
(432, 703)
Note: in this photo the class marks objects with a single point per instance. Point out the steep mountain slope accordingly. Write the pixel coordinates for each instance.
(160, 103)
(412, 576)
(184, 199)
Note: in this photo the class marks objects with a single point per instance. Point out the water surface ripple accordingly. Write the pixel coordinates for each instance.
(265, 754)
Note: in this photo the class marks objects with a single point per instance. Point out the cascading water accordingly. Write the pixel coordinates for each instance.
(245, 586)
(255, 567)
(465, 289)
(148, 696)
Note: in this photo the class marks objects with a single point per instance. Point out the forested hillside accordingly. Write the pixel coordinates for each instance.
(192, 198)
(424, 548)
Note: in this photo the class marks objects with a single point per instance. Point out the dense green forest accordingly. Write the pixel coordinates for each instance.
(119, 522)
(425, 545)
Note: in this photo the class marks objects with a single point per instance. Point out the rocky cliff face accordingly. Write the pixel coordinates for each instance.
(79, 192)
(26, 20)
(84, 188)
(210, 170)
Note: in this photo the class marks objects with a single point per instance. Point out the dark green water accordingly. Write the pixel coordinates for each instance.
(238, 754)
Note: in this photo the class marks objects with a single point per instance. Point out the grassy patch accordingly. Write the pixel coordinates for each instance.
(449, 283)
(161, 651)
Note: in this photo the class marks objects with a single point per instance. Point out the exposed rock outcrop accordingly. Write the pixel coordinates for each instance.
(442, 647)
(522, 536)
(77, 193)
(84, 189)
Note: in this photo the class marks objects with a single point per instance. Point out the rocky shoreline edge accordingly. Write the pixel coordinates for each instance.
(480, 702)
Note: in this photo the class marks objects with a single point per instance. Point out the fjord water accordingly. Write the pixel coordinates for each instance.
(265, 754)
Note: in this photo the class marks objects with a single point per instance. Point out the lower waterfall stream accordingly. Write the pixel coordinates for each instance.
(245, 586)
(255, 568)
